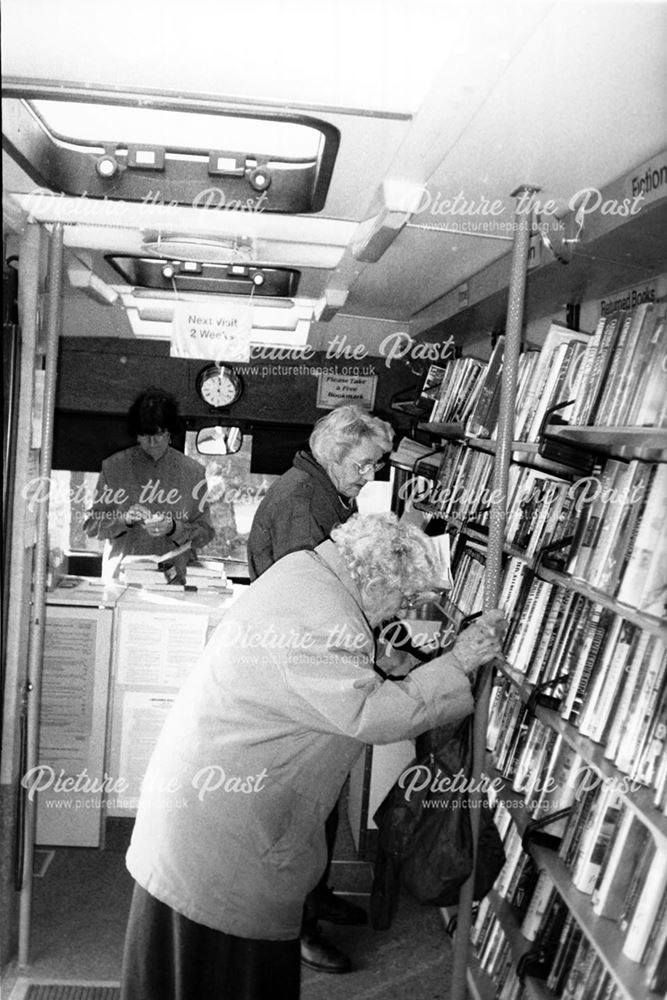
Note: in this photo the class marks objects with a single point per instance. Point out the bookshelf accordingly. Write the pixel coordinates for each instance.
(581, 566)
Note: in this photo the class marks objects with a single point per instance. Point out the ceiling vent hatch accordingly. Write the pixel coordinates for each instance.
(204, 158)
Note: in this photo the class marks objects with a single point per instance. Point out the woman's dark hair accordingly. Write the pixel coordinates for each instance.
(152, 411)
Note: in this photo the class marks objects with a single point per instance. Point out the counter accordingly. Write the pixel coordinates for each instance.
(114, 659)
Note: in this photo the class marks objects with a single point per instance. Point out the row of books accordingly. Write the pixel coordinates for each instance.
(620, 545)
(622, 379)
(455, 390)
(613, 377)
(611, 523)
(566, 960)
(613, 860)
(606, 675)
(610, 852)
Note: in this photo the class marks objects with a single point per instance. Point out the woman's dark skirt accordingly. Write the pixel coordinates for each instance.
(168, 957)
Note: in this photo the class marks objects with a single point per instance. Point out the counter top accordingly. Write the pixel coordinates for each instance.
(77, 591)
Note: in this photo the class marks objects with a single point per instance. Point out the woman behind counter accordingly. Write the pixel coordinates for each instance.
(150, 499)
(229, 836)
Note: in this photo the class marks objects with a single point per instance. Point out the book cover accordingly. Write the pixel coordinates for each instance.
(641, 920)
(630, 364)
(590, 392)
(649, 399)
(604, 519)
(603, 700)
(538, 906)
(595, 839)
(649, 534)
(630, 680)
(630, 841)
(478, 424)
(557, 388)
(618, 360)
(643, 697)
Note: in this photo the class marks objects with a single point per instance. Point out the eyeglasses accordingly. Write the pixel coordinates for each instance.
(363, 468)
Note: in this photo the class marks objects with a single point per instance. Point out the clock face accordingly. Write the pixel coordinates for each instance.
(219, 387)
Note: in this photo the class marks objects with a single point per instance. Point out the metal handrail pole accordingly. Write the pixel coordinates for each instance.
(38, 609)
(492, 580)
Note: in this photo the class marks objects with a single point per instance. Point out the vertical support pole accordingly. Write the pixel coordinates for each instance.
(34, 681)
(492, 580)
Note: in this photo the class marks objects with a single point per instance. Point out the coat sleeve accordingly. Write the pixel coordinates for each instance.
(342, 693)
(106, 518)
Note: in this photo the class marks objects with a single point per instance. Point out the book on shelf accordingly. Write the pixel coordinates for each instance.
(647, 408)
(604, 507)
(558, 787)
(643, 914)
(642, 704)
(650, 534)
(654, 748)
(627, 364)
(480, 420)
(541, 899)
(590, 632)
(593, 369)
(555, 924)
(521, 888)
(584, 803)
(631, 678)
(600, 825)
(604, 693)
(554, 367)
(631, 839)
(565, 954)
(558, 386)
(617, 527)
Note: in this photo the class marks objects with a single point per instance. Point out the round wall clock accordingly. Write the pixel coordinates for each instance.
(219, 386)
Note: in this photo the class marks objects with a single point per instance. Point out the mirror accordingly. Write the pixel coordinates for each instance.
(219, 440)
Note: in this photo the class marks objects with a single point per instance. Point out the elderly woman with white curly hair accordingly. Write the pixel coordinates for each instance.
(229, 835)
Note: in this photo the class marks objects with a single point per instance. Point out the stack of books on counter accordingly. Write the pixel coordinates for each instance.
(154, 572)
(207, 574)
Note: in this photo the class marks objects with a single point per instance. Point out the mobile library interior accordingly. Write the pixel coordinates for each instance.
(458, 224)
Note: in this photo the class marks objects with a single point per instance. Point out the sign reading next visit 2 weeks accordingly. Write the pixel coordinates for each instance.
(213, 331)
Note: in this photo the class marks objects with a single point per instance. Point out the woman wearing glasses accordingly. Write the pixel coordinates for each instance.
(299, 512)
(148, 498)
(347, 447)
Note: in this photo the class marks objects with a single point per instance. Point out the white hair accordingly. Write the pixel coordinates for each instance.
(335, 435)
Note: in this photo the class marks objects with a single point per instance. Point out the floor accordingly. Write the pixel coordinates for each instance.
(81, 902)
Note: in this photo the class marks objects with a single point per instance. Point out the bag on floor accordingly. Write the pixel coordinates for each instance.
(425, 830)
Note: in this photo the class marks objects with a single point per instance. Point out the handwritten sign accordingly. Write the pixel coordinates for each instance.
(338, 390)
(214, 331)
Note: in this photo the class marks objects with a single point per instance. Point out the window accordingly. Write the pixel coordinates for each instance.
(234, 494)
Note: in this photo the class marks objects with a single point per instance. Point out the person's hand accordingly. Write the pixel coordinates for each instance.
(137, 514)
(157, 525)
(481, 642)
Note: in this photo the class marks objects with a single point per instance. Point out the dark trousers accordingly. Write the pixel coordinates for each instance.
(310, 906)
(168, 957)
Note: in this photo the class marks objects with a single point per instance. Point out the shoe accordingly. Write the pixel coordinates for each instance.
(323, 956)
(336, 910)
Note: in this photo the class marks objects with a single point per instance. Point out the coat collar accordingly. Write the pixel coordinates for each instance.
(327, 553)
